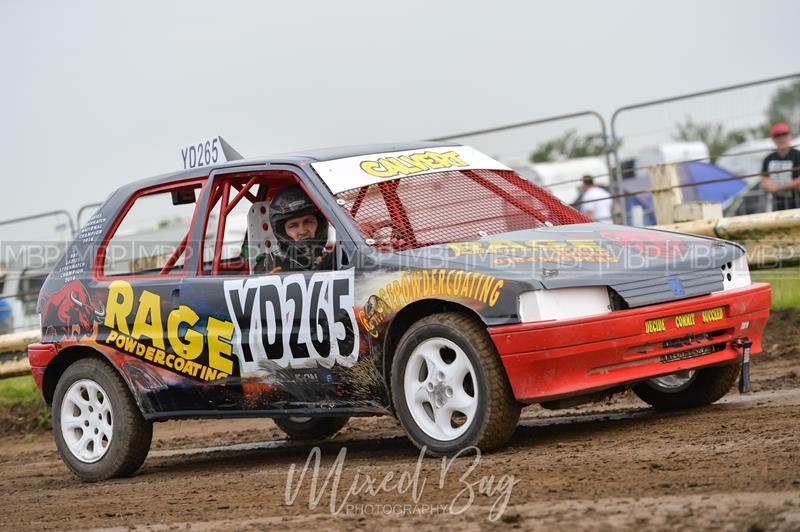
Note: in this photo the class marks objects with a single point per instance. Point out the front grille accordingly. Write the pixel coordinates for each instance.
(653, 290)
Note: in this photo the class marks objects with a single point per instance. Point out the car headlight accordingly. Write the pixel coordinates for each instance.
(563, 303)
(736, 274)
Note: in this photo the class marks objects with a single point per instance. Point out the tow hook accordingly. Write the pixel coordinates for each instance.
(744, 377)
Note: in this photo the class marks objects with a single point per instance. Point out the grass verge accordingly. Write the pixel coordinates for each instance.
(22, 409)
(785, 285)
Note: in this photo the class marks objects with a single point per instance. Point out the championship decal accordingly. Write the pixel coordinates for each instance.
(294, 321)
(196, 348)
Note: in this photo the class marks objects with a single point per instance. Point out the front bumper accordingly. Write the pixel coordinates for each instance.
(560, 358)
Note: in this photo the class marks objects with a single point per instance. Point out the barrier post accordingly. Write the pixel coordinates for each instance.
(667, 194)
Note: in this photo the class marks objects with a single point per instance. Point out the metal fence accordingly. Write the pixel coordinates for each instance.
(514, 144)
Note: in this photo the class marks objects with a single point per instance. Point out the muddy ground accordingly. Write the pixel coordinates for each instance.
(733, 466)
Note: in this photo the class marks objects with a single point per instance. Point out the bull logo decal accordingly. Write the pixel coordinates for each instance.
(71, 312)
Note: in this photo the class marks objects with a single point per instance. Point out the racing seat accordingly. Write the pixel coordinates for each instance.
(260, 238)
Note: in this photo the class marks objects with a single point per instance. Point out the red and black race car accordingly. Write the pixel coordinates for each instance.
(450, 292)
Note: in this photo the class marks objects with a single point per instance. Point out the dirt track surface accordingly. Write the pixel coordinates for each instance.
(734, 466)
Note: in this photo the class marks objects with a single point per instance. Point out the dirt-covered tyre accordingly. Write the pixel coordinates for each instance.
(99, 430)
(449, 388)
(311, 428)
(688, 389)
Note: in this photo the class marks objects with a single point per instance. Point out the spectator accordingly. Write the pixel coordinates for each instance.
(599, 208)
(780, 172)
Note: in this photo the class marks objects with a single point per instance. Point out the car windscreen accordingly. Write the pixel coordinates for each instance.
(451, 206)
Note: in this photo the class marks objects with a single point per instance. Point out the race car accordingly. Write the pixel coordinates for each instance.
(444, 289)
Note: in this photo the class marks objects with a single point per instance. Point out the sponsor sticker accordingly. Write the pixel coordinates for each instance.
(712, 315)
(654, 326)
(363, 170)
(682, 321)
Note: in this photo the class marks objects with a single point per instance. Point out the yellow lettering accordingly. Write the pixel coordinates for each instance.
(465, 285)
(219, 347)
(413, 163)
(454, 158)
(130, 345)
(377, 169)
(654, 326)
(684, 320)
(711, 315)
(191, 345)
(148, 319)
(119, 305)
(496, 292)
(487, 286)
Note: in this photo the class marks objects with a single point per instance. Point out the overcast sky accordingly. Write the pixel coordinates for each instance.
(97, 94)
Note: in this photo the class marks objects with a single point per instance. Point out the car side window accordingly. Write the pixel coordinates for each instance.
(239, 211)
(152, 236)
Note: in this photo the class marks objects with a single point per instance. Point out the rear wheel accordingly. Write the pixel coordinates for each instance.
(449, 389)
(311, 428)
(98, 428)
(687, 389)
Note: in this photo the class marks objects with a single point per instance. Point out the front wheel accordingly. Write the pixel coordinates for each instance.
(449, 389)
(687, 389)
(99, 430)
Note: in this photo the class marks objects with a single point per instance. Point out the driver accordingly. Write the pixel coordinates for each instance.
(301, 231)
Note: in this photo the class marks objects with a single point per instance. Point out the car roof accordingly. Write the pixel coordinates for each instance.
(295, 157)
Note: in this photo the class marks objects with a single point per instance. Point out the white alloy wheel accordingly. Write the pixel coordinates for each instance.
(674, 382)
(440, 389)
(87, 423)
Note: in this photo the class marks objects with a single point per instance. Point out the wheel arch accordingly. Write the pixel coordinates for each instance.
(65, 358)
(406, 317)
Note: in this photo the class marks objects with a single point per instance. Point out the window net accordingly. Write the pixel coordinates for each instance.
(442, 207)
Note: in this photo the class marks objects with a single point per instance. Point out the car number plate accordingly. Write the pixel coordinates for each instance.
(689, 353)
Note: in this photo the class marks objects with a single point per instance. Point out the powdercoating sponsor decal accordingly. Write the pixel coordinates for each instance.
(364, 170)
(294, 321)
(421, 284)
(681, 321)
(198, 348)
(537, 251)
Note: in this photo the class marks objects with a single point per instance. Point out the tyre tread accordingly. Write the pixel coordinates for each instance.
(710, 385)
(502, 409)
